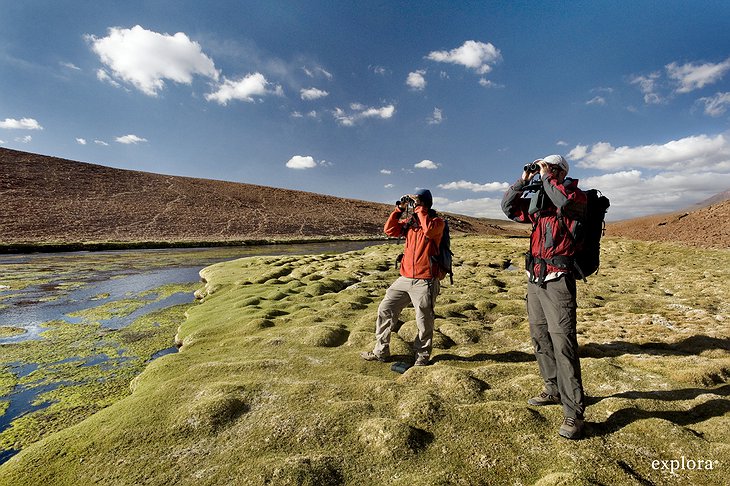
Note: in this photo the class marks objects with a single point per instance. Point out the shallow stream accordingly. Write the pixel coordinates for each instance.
(72, 322)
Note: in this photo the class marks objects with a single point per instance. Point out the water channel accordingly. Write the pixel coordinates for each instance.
(59, 313)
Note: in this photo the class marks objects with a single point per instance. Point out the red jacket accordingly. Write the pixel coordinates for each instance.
(549, 239)
(423, 235)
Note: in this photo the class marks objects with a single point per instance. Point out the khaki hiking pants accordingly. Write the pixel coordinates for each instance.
(422, 294)
(551, 310)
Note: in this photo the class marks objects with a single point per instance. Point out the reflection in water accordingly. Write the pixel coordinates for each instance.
(37, 289)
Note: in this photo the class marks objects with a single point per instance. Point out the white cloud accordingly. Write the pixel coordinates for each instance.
(379, 70)
(317, 71)
(596, 100)
(481, 207)
(386, 171)
(70, 65)
(313, 93)
(701, 152)
(301, 162)
(130, 139)
(416, 80)
(691, 77)
(26, 139)
(474, 187)
(472, 54)
(246, 89)
(388, 186)
(101, 142)
(360, 112)
(716, 105)
(436, 118)
(633, 194)
(648, 86)
(104, 77)
(81, 141)
(3, 142)
(426, 164)
(561, 143)
(22, 124)
(145, 59)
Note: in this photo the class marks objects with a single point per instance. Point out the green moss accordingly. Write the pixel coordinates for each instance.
(269, 386)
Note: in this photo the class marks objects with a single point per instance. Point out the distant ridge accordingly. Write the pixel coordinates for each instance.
(705, 224)
(53, 201)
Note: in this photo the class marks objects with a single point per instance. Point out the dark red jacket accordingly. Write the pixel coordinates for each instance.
(565, 204)
(423, 236)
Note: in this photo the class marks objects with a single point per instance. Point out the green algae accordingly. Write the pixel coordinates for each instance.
(269, 387)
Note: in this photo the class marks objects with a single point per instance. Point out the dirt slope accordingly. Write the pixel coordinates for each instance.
(707, 226)
(52, 200)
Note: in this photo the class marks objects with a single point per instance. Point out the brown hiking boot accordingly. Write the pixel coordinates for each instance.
(370, 356)
(544, 399)
(572, 428)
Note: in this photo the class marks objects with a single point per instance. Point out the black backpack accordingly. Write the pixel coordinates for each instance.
(441, 264)
(588, 233)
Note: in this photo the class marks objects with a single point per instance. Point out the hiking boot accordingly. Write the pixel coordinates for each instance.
(370, 356)
(421, 360)
(544, 399)
(572, 428)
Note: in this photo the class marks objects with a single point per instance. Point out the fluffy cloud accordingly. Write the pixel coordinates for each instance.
(360, 112)
(246, 89)
(26, 139)
(695, 76)
(312, 94)
(130, 139)
(145, 59)
(385, 171)
(101, 142)
(22, 124)
(472, 54)
(301, 162)
(656, 178)
(426, 164)
(416, 80)
(81, 141)
(716, 105)
(480, 207)
(700, 151)
(633, 193)
(474, 187)
(436, 118)
(648, 86)
(317, 71)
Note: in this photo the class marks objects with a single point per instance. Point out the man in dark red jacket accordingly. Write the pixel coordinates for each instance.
(553, 211)
(416, 284)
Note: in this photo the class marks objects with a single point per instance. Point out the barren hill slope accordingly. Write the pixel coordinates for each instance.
(52, 200)
(707, 226)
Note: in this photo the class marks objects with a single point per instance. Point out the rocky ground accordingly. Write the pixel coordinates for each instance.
(707, 226)
(48, 200)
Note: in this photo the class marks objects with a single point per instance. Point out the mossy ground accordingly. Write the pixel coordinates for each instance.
(269, 387)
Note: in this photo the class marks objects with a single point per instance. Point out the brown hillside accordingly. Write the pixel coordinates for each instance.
(707, 226)
(52, 200)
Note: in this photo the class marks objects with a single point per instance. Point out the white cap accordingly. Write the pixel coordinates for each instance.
(557, 160)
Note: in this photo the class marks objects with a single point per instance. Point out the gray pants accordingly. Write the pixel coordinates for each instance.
(422, 293)
(552, 314)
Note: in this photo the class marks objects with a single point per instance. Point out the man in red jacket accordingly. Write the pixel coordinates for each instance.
(553, 211)
(416, 284)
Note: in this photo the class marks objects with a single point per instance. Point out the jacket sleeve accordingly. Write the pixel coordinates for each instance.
(433, 227)
(514, 205)
(393, 226)
(569, 202)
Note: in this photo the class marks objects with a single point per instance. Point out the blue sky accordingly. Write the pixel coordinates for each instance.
(373, 99)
